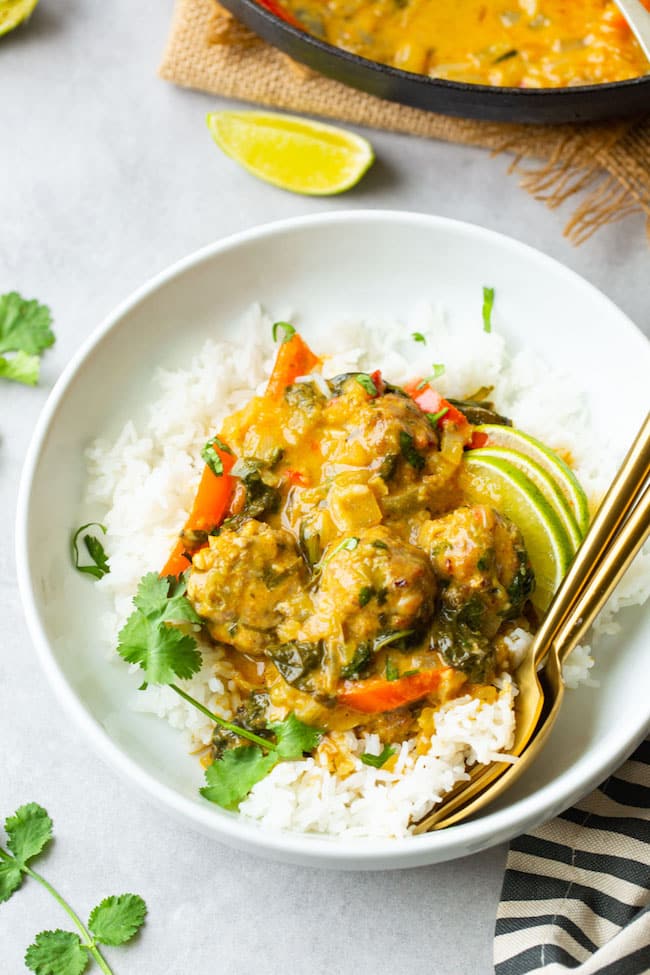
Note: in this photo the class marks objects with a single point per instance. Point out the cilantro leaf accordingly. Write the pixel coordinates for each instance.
(116, 919)
(418, 337)
(294, 738)
(367, 383)
(377, 761)
(439, 370)
(392, 672)
(231, 778)
(163, 599)
(10, 879)
(22, 368)
(488, 302)
(56, 953)
(434, 417)
(95, 550)
(288, 331)
(163, 652)
(211, 457)
(409, 451)
(29, 831)
(24, 325)
(151, 595)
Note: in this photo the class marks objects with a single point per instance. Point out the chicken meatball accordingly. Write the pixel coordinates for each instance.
(485, 577)
(243, 582)
(376, 586)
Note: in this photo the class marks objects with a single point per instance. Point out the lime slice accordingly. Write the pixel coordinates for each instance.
(494, 481)
(291, 152)
(561, 473)
(13, 12)
(542, 480)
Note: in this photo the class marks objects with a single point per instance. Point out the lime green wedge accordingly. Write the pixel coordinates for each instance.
(13, 12)
(543, 481)
(561, 473)
(496, 482)
(292, 153)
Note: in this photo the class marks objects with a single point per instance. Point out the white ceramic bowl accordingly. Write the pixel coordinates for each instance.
(360, 263)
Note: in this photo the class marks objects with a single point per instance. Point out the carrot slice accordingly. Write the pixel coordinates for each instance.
(377, 694)
(210, 505)
(294, 359)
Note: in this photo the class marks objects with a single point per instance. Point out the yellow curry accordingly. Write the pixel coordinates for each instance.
(336, 557)
(519, 43)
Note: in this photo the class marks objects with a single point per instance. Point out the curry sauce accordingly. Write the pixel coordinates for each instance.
(518, 43)
(350, 580)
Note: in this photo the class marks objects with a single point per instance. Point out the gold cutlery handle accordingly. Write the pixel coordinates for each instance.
(606, 576)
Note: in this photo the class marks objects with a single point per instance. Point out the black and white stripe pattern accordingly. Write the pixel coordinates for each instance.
(576, 894)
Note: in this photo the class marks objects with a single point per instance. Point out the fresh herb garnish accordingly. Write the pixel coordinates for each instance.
(377, 761)
(294, 739)
(361, 660)
(488, 302)
(345, 545)
(365, 595)
(418, 337)
(392, 672)
(385, 641)
(113, 922)
(434, 417)
(212, 458)
(287, 330)
(95, 550)
(231, 778)
(377, 543)
(506, 57)
(25, 332)
(366, 381)
(162, 651)
(149, 639)
(438, 371)
(409, 452)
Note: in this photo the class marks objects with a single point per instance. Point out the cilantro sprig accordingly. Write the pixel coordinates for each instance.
(24, 333)
(152, 638)
(95, 549)
(378, 761)
(114, 921)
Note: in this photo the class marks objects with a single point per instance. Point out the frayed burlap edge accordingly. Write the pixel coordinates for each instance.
(605, 166)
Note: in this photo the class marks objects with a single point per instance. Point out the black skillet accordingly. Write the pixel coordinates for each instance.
(542, 105)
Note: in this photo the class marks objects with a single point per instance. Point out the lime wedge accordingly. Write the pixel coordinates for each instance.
(494, 481)
(561, 473)
(13, 12)
(542, 480)
(292, 153)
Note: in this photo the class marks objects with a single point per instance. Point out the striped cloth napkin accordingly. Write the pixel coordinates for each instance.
(576, 893)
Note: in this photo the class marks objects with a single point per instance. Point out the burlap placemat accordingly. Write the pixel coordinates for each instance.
(607, 165)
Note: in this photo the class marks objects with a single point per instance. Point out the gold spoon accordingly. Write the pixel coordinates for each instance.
(594, 573)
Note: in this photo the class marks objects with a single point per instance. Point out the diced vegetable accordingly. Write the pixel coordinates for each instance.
(210, 506)
(294, 359)
(378, 694)
(430, 401)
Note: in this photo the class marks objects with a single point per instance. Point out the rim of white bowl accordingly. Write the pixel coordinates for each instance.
(327, 851)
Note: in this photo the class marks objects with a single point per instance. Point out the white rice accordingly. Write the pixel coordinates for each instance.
(145, 481)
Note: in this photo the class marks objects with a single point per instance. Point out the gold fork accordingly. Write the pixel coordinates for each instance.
(602, 559)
